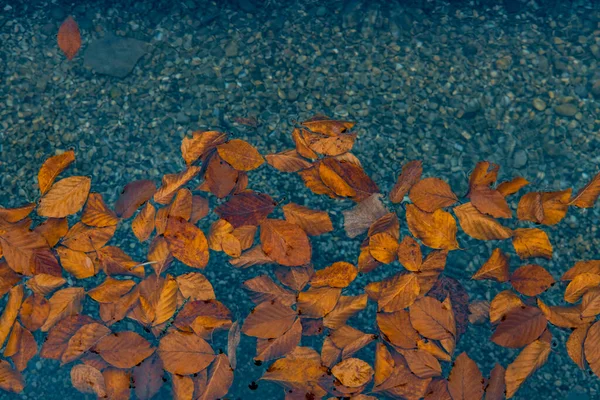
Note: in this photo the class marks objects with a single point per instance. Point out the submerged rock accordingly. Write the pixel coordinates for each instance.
(566, 110)
(114, 56)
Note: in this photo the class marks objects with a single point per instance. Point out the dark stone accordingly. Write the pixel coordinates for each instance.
(58, 13)
(469, 50)
(246, 6)
(114, 56)
(512, 6)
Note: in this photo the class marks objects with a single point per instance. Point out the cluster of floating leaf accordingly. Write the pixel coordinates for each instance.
(421, 313)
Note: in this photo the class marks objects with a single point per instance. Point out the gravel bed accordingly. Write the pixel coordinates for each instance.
(448, 83)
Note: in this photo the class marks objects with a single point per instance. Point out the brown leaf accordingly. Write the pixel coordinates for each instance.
(148, 377)
(317, 302)
(184, 353)
(421, 363)
(383, 247)
(575, 344)
(233, 341)
(83, 340)
(465, 381)
(531, 242)
(479, 311)
(200, 144)
(134, 194)
(171, 183)
(65, 197)
(88, 379)
(580, 267)
(263, 289)
(269, 320)
(110, 290)
(527, 362)
(21, 347)
(159, 254)
(432, 319)
(287, 161)
(117, 383)
(63, 303)
(200, 208)
(20, 246)
(69, 38)
(195, 286)
(44, 284)
(496, 386)
(220, 178)
(339, 274)
(297, 369)
(187, 243)
(143, 223)
(240, 154)
(115, 261)
(399, 292)
(343, 175)
(490, 201)
(123, 349)
(52, 167)
(411, 174)
(590, 305)
(358, 219)
(521, 326)
(485, 173)
(285, 243)
(8, 278)
(254, 256)
(220, 378)
(269, 349)
(246, 208)
(564, 317)
(295, 278)
(546, 208)
(480, 226)
(353, 372)
(431, 194)
(502, 304)
(77, 263)
(96, 212)
(587, 195)
(496, 267)
(53, 229)
(436, 230)
(87, 238)
(60, 334)
(409, 254)
(512, 186)
(313, 222)
(580, 285)
(13, 215)
(10, 379)
(34, 311)
(397, 330)
(531, 280)
(345, 308)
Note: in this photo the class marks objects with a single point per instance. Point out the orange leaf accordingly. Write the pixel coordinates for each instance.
(285, 243)
(512, 186)
(287, 161)
(171, 183)
(580, 285)
(520, 327)
(564, 317)
(496, 267)
(313, 222)
(148, 377)
(431, 194)
(531, 280)
(397, 330)
(220, 178)
(96, 212)
(383, 247)
(184, 353)
(53, 229)
(195, 286)
(496, 386)
(411, 174)
(575, 345)
(269, 349)
(200, 144)
(353, 372)
(88, 379)
(159, 254)
(187, 243)
(436, 230)
(432, 319)
(21, 347)
(592, 266)
(69, 38)
(490, 201)
(317, 302)
(88, 238)
(531, 242)
(421, 363)
(134, 194)
(345, 308)
(10, 312)
(117, 383)
(246, 208)
(409, 254)
(263, 289)
(358, 219)
(110, 290)
(485, 173)
(44, 284)
(587, 195)
(77, 263)
(52, 167)
(339, 274)
(143, 223)
(10, 379)
(34, 311)
(399, 292)
(546, 208)
(502, 304)
(64, 303)
(527, 362)
(465, 381)
(83, 340)
(16, 214)
(123, 349)
(220, 378)
(240, 154)
(480, 226)
(65, 197)
(269, 320)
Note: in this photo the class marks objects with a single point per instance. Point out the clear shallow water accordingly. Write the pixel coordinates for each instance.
(450, 84)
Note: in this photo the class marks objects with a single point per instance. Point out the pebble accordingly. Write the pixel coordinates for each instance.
(321, 11)
(232, 49)
(539, 104)
(566, 109)
(520, 159)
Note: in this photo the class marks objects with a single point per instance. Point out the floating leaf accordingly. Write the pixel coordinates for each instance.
(579, 285)
(285, 243)
(358, 219)
(143, 223)
(69, 38)
(246, 208)
(587, 195)
(184, 353)
(436, 230)
(65, 197)
(465, 381)
(134, 194)
(399, 292)
(521, 327)
(353, 372)
(77, 263)
(200, 144)
(269, 349)
(431, 194)
(187, 243)
(432, 319)
(527, 362)
(10, 312)
(287, 161)
(34, 312)
(411, 174)
(490, 201)
(123, 349)
(496, 267)
(88, 379)
(532, 242)
(269, 320)
(240, 154)
(52, 167)
(10, 379)
(220, 378)
(313, 222)
(531, 280)
(63, 303)
(96, 212)
(480, 226)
